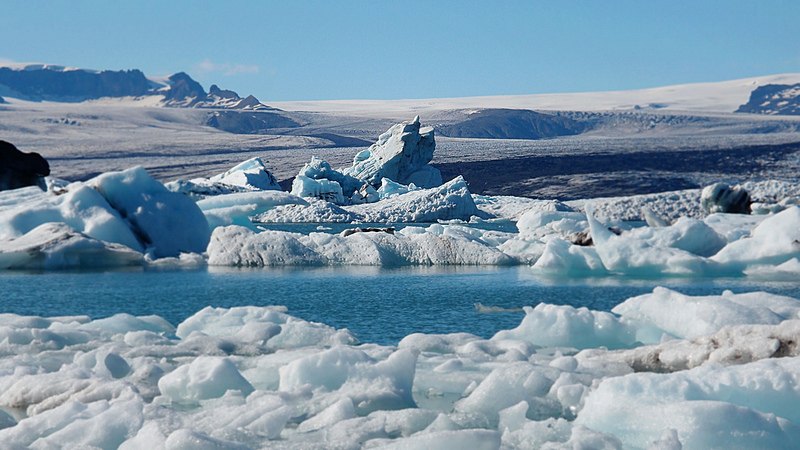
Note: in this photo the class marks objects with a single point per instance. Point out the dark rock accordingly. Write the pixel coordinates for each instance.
(512, 124)
(183, 88)
(721, 198)
(56, 84)
(582, 238)
(250, 101)
(351, 231)
(775, 99)
(18, 169)
(215, 91)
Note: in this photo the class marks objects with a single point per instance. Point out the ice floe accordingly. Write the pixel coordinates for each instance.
(254, 377)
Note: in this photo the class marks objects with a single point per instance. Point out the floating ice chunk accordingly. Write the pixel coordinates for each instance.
(251, 174)
(506, 386)
(564, 259)
(167, 223)
(318, 211)
(400, 154)
(238, 209)
(390, 188)
(457, 439)
(93, 424)
(774, 241)
(711, 406)
(81, 207)
(448, 201)
(566, 326)
(247, 176)
(687, 234)
(238, 246)
(337, 412)
(185, 439)
(205, 377)
(628, 255)
(551, 218)
(56, 245)
(371, 384)
(733, 227)
(739, 344)
(323, 189)
(683, 316)
(272, 324)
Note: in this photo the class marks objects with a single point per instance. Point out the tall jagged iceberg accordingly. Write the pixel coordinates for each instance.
(400, 154)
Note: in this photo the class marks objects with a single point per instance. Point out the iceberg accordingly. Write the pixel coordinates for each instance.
(401, 154)
(99, 217)
(247, 176)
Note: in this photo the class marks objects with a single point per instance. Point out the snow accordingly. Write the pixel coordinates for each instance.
(724, 96)
(250, 377)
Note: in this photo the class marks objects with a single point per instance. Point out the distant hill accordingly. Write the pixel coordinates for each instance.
(512, 124)
(54, 83)
(774, 99)
(42, 82)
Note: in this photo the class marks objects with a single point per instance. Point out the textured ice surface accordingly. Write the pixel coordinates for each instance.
(254, 377)
(401, 154)
(110, 218)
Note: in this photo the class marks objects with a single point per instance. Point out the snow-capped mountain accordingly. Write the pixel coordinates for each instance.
(775, 99)
(42, 82)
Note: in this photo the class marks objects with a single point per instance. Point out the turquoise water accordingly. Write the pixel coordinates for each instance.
(377, 304)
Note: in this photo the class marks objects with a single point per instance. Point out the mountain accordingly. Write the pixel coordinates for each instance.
(56, 83)
(43, 82)
(774, 99)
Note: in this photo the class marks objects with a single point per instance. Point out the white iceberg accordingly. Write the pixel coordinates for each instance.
(401, 154)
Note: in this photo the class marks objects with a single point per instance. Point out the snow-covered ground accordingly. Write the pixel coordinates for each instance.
(725, 97)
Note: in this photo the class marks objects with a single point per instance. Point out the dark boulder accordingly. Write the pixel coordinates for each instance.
(18, 169)
(721, 198)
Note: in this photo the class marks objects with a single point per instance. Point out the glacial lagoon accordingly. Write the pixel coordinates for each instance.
(378, 305)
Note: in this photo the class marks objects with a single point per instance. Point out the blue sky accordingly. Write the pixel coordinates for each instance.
(297, 50)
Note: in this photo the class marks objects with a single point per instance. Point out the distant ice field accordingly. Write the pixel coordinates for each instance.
(378, 305)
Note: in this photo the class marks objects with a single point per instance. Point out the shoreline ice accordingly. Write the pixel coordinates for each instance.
(248, 377)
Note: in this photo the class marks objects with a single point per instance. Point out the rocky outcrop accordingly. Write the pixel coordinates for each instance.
(54, 83)
(400, 154)
(19, 169)
(774, 99)
(41, 82)
(183, 91)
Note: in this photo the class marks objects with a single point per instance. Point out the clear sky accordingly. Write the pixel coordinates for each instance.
(299, 50)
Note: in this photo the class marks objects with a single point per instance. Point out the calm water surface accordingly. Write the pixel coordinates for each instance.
(377, 304)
